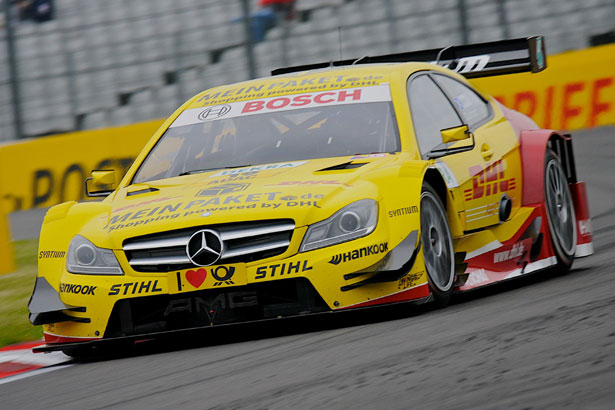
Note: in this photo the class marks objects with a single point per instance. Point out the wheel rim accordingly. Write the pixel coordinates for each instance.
(560, 208)
(437, 243)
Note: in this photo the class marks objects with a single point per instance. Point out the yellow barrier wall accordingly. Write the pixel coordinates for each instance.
(46, 171)
(577, 90)
(7, 263)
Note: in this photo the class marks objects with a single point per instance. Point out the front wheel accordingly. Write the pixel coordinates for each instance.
(560, 212)
(437, 246)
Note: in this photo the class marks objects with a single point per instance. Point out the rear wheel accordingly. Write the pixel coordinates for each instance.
(560, 212)
(437, 246)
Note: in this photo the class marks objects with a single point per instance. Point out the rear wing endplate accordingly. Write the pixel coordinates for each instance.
(472, 60)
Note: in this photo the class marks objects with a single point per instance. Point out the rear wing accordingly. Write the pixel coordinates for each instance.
(472, 60)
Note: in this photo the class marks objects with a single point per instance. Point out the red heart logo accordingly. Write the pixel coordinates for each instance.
(196, 278)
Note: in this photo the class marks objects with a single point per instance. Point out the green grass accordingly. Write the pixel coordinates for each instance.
(15, 291)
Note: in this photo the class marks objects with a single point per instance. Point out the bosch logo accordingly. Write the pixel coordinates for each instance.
(217, 111)
(204, 247)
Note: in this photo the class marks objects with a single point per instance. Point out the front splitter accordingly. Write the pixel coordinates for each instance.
(199, 334)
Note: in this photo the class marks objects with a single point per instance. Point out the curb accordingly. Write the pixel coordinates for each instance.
(18, 359)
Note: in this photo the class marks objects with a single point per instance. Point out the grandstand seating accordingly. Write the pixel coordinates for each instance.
(112, 62)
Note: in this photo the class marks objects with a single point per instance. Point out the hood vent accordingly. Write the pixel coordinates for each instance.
(142, 191)
(345, 165)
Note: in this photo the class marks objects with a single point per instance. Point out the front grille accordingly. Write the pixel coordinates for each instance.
(257, 301)
(241, 242)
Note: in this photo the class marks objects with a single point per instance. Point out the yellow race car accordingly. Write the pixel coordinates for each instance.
(321, 188)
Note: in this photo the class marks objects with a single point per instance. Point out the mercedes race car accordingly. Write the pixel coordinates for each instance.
(322, 188)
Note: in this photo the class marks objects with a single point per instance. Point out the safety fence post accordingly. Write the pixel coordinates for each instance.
(11, 58)
(248, 40)
(463, 21)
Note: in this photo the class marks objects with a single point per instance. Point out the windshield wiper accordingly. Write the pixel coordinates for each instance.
(376, 152)
(198, 171)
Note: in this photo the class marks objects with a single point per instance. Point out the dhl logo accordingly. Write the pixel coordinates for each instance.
(488, 181)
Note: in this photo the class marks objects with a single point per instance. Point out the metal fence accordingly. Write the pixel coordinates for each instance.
(103, 63)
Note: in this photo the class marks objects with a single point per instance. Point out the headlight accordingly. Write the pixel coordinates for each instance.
(351, 222)
(84, 257)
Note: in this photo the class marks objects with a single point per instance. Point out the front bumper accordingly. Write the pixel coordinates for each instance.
(360, 273)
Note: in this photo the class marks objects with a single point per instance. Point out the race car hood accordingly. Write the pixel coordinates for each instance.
(303, 191)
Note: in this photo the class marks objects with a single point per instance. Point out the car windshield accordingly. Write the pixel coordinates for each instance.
(201, 143)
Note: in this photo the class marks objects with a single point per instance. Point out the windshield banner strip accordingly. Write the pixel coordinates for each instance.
(377, 93)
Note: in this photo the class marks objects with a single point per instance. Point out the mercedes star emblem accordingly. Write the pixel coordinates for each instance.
(204, 247)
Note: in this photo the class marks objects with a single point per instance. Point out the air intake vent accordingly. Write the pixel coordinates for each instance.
(232, 243)
(345, 165)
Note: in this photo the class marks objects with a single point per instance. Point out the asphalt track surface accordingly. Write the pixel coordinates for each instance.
(542, 342)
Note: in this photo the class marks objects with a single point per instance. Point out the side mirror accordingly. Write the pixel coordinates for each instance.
(453, 134)
(102, 178)
(459, 133)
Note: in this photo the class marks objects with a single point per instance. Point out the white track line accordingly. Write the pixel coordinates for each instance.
(32, 373)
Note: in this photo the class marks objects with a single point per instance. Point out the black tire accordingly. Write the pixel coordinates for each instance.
(560, 212)
(437, 246)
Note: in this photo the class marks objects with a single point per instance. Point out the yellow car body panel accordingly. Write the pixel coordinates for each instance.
(304, 192)
(317, 198)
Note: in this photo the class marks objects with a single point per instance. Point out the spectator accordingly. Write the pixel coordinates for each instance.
(283, 9)
(272, 13)
(35, 10)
